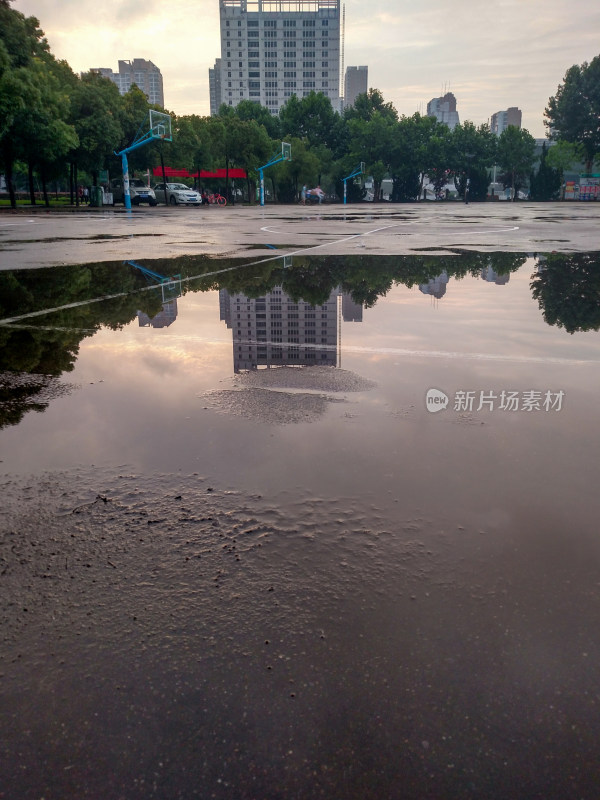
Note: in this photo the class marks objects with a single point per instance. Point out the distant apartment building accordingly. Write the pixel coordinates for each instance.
(436, 287)
(163, 319)
(444, 110)
(214, 83)
(356, 81)
(502, 119)
(144, 74)
(273, 49)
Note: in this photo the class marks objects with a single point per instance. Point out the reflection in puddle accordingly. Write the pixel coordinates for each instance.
(247, 551)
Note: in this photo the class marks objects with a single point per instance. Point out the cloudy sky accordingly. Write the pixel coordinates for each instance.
(491, 53)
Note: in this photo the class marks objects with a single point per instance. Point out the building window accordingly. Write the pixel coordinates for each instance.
(289, 64)
(289, 74)
(252, 23)
(309, 54)
(289, 23)
(253, 54)
(271, 74)
(308, 23)
(269, 64)
(254, 74)
(308, 75)
(253, 64)
(289, 85)
(271, 23)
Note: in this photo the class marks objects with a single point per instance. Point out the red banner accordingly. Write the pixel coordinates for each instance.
(171, 172)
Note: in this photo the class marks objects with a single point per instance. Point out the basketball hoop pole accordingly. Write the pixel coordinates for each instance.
(358, 171)
(123, 154)
(144, 139)
(275, 160)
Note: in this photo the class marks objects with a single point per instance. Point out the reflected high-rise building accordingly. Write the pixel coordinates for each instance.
(491, 276)
(274, 330)
(163, 319)
(436, 287)
(351, 311)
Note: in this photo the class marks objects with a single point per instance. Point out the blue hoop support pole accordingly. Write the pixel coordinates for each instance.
(123, 154)
(272, 162)
(355, 174)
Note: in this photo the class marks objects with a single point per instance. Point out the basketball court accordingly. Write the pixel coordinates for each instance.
(45, 239)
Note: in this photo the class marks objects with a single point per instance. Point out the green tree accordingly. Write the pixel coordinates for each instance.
(312, 118)
(22, 46)
(545, 183)
(516, 155)
(573, 113)
(370, 140)
(472, 153)
(96, 115)
(369, 103)
(248, 111)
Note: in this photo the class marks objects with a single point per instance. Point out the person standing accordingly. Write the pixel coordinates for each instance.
(303, 195)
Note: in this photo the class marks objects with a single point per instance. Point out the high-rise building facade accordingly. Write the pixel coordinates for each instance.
(444, 110)
(214, 83)
(356, 81)
(143, 73)
(502, 119)
(272, 49)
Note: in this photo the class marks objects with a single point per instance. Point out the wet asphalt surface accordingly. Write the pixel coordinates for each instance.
(104, 234)
(298, 583)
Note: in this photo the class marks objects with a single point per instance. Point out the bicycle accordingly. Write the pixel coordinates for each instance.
(217, 199)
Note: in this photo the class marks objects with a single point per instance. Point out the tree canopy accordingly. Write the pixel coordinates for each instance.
(573, 113)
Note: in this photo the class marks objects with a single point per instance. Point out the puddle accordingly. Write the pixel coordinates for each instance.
(244, 535)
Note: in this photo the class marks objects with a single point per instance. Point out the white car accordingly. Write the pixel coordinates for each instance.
(138, 192)
(177, 193)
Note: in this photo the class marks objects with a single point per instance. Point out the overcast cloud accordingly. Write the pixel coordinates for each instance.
(491, 53)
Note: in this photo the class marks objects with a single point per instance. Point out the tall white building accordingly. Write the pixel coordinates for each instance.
(356, 81)
(272, 49)
(143, 73)
(444, 110)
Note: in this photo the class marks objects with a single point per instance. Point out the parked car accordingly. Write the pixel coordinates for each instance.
(138, 191)
(177, 193)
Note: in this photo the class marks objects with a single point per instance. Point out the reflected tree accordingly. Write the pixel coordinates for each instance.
(567, 288)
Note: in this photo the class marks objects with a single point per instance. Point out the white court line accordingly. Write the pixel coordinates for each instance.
(268, 229)
(302, 251)
(24, 222)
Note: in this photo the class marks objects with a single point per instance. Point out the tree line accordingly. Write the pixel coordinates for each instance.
(58, 126)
